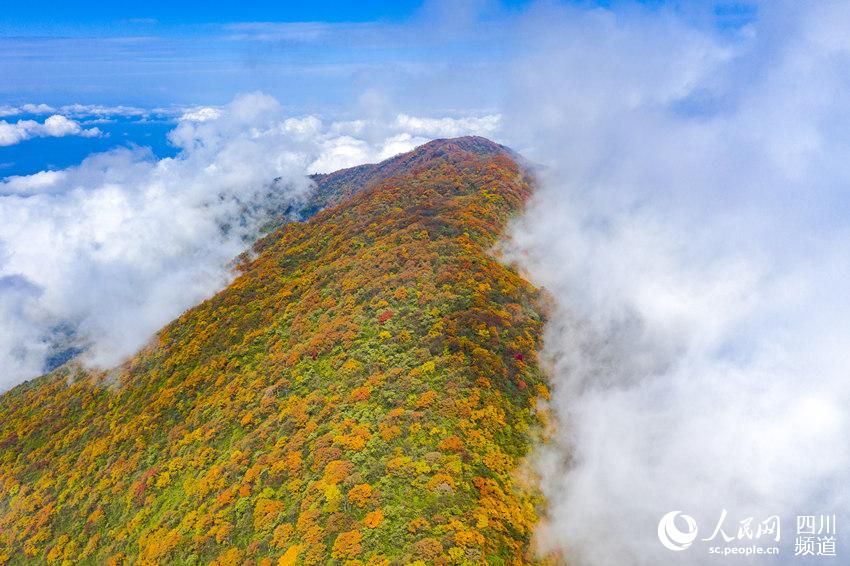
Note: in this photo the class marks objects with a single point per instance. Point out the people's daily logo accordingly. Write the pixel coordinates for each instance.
(671, 536)
(816, 535)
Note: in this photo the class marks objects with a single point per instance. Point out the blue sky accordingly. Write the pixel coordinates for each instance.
(312, 55)
(166, 12)
(328, 58)
(334, 59)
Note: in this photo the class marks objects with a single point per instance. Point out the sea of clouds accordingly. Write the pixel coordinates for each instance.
(692, 229)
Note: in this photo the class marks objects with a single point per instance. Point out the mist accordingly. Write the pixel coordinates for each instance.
(691, 228)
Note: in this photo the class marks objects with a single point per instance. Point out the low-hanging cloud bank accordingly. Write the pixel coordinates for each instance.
(101, 255)
(692, 227)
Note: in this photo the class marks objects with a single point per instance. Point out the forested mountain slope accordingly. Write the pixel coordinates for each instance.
(364, 392)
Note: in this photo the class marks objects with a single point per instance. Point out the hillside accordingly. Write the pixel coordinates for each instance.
(364, 392)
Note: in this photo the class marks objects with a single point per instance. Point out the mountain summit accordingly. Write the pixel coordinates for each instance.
(364, 392)
(332, 188)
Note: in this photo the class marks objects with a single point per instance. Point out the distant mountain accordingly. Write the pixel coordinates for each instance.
(363, 393)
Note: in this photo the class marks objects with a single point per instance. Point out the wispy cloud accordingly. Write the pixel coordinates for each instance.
(88, 110)
(77, 110)
(288, 31)
(26, 109)
(143, 21)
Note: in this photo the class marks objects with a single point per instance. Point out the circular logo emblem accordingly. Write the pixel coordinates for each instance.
(670, 535)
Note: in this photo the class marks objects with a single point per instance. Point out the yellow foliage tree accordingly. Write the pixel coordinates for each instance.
(373, 519)
(360, 494)
(347, 545)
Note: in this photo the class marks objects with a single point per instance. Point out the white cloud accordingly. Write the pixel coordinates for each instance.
(54, 126)
(449, 127)
(31, 184)
(87, 110)
(341, 152)
(22, 343)
(692, 229)
(400, 143)
(200, 114)
(118, 246)
(122, 243)
(80, 111)
(58, 126)
(354, 142)
(26, 109)
(37, 109)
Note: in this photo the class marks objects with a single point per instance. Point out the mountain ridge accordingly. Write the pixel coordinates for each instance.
(365, 391)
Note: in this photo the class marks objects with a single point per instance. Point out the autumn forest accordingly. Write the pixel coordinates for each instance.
(366, 391)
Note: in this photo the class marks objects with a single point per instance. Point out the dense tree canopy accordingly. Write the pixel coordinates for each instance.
(364, 392)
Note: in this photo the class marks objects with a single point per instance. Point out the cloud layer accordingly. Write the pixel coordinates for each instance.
(103, 254)
(692, 230)
(55, 126)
